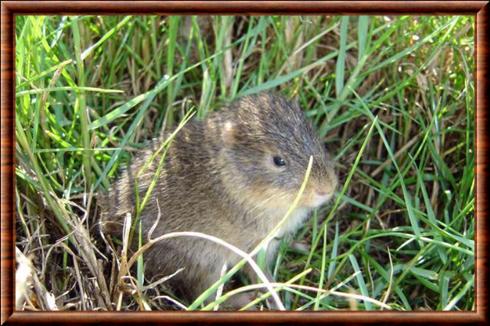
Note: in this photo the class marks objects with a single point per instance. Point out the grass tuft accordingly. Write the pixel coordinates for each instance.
(392, 98)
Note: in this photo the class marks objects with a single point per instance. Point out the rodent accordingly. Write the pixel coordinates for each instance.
(232, 175)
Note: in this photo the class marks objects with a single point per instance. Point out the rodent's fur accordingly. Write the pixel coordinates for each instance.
(220, 178)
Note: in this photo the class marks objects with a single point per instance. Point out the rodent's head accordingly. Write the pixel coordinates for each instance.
(267, 145)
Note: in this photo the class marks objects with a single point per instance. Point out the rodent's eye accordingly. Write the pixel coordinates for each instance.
(279, 161)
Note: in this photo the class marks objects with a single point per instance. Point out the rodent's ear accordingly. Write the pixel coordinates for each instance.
(229, 131)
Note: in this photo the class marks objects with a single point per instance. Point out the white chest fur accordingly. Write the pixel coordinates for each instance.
(293, 222)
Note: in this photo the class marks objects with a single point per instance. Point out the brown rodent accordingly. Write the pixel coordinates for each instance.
(232, 175)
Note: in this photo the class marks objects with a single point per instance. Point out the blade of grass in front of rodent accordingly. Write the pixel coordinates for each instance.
(347, 182)
(264, 242)
(339, 196)
(140, 205)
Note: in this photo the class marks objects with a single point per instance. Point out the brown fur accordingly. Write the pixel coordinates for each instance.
(219, 178)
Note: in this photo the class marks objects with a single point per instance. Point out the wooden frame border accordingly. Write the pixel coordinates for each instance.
(480, 9)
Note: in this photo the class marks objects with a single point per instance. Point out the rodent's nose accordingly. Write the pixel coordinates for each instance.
(321, 192)
(321, 196)
(324, 192)
(326, 189)
(334, 180)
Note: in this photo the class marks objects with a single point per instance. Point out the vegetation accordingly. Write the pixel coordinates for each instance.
(391, 97)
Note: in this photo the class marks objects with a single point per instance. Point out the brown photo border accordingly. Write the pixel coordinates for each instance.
(9, 9)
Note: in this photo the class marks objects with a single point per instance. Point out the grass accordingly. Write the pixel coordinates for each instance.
(391, 97)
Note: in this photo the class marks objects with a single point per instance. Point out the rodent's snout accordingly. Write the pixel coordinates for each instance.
(323, 192)
(323, 189)
(332, 181)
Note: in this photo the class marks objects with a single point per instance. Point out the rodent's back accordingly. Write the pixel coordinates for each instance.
(187, 165)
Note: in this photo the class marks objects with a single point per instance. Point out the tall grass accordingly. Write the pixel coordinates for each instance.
(391, 97)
